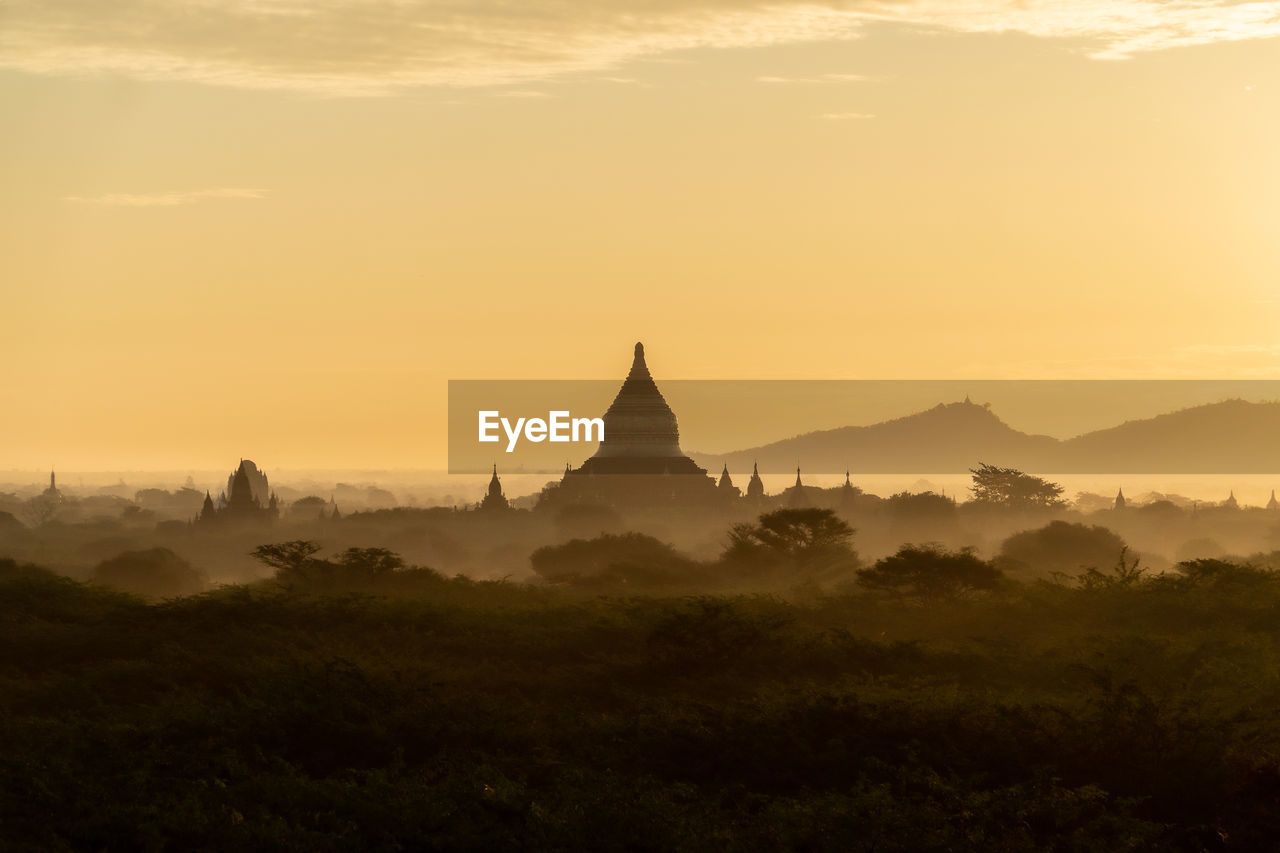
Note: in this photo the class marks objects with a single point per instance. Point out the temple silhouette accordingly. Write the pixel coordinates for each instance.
(247, 499)
(639, 462)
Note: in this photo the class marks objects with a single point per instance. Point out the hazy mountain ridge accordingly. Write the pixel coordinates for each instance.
(1231, 436)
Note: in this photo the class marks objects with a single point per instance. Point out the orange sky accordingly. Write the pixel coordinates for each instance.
(276, 229)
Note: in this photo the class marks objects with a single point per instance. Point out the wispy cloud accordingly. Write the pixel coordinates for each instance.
(169, 199)
(377, 47)
(847, 116)
(521, 93)
(1192, 361)
(822, 78)
(1232, 349)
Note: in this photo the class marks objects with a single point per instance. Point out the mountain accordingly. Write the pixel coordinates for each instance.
(948, 437)
(1230, 437)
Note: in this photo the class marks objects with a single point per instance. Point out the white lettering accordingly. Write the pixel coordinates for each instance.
(587, 424)
(559, 426)
(487, 423)
(513, 435)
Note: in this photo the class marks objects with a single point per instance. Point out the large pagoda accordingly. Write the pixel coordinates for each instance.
(639, 462)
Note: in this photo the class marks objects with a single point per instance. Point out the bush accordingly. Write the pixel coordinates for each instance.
(1060, 547)
(631, 558)
(153, 573)
(930, 572)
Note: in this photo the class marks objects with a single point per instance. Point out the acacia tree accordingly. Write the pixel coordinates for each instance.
(805, 538)
(1012, 489)
(296, 564)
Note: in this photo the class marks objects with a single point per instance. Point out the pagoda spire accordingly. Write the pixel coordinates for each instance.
(755, 486)
(495, 499)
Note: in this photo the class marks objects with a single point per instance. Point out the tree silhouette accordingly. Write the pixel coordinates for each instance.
(40, 510)
(806, 538)
(1012, 489)
(370, 563)
(929, 572)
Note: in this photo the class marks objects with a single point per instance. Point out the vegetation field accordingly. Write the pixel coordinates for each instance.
(374, 706)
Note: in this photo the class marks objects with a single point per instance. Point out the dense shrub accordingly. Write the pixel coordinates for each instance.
(1060, 547)
(630, 558)
(931, 572)
(154, 572)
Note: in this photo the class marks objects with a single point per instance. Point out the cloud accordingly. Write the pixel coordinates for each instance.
(822, 78)
(846, 116)
(170, 199)
(378, 47)
(521, 93)
(1232, 349)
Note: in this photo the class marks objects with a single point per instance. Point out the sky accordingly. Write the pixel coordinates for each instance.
(275, 229)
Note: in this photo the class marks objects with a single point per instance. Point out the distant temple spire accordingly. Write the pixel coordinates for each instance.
(52, 491)
(1273, 504)
(208, 512)
(727, 489)
(848, 492)
(1120, 501)
(495, 499)
(1231, 501)
(755, 486)
(797, 497)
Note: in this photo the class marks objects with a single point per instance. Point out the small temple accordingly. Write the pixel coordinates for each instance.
(495, 500)
(755, 486)
(52, 493)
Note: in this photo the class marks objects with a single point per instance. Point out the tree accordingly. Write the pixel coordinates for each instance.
(1012, 489)
(632, 558)
(41, 509)
(1060, 546)
(808, 538)
(1124, 575)
(369, 563)
(930, 572)
(296, 564)
(286, 556)
(155, 572)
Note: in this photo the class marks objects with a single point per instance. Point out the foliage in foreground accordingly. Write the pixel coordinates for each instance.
(1130, 714)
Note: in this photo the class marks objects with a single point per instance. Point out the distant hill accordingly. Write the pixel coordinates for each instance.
(1230, 437)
